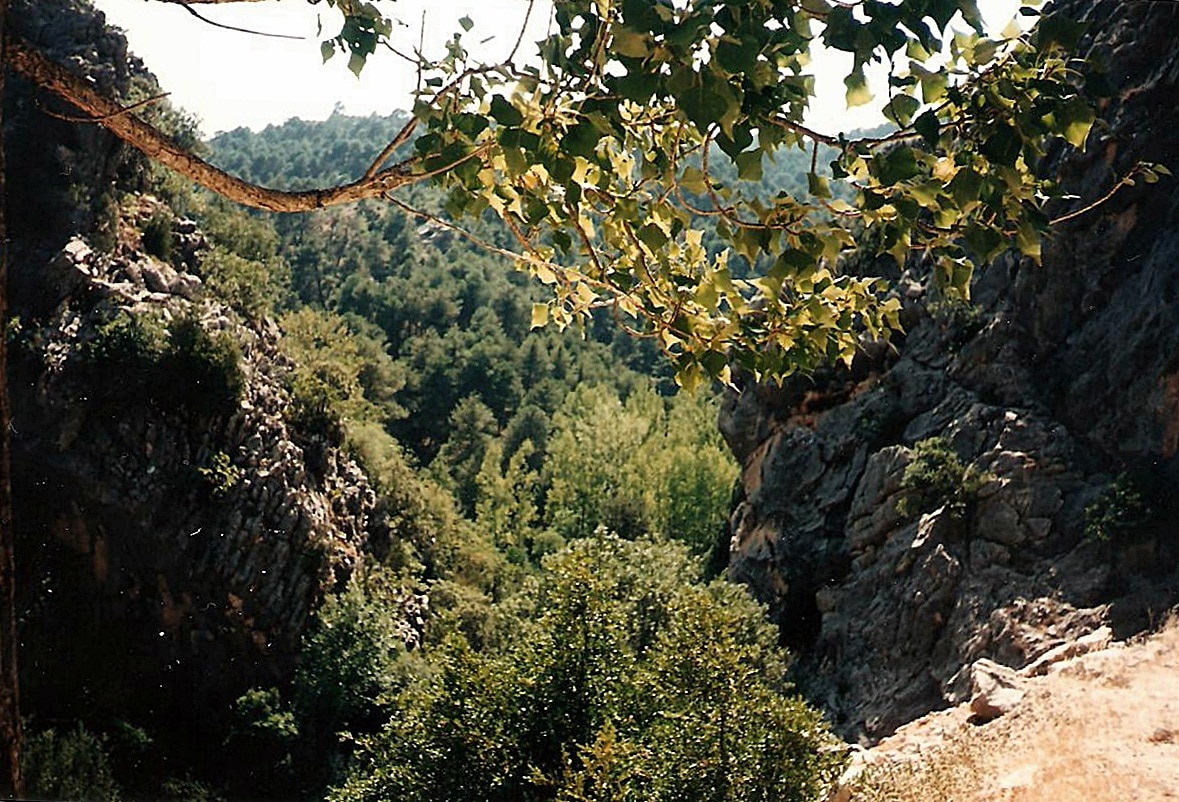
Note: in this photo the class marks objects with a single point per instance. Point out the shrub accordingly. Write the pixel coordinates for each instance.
(936, 477)
(1119, 509)
(340, 373)
(157, 237)
(350, 660)
(73, 765)
(220, 475)
(172, 364)
(251, 287)
(202, 369)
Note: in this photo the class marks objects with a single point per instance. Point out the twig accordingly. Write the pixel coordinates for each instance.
(70, 119)
(523, 27)
(184, 4)
(402, 136)
(1126, 181)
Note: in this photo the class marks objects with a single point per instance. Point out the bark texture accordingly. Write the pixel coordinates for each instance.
(10, 729)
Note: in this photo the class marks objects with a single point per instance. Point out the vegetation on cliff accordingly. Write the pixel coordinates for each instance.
(558, 661)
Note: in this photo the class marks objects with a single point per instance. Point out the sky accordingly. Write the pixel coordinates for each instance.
(230, 79)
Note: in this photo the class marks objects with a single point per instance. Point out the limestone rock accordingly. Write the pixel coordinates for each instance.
(995, 689)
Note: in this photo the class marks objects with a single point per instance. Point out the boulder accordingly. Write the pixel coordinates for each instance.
(995, 689)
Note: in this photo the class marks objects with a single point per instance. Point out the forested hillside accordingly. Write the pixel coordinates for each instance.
(307, 508)
(350, 527)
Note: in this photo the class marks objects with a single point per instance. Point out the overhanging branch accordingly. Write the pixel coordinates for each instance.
(27, 61)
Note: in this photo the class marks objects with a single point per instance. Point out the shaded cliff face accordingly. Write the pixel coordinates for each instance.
(1064, 376)
(175, 531)
(179, 529)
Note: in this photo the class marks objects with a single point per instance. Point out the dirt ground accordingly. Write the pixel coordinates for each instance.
(1102, 727)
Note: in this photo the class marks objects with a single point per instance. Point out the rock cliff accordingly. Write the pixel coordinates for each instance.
(1002, 481)
(175, 529)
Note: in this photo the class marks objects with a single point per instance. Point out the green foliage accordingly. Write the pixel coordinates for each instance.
(1120, 509)
(506, 509)
(157, 237)
(350, 659)
(186, 789)
(472, 427)
(426, 530)
(645, 464)
(263, 736)
(172, 364)
(203, 366)
(959, 319)
(601, 159)
(251, 288)
(339, 373)
(616, 673)
(73, 765)
(129, 341)
(935, 477)
(220, 475)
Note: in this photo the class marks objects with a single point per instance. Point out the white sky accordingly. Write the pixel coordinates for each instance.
(230, 79)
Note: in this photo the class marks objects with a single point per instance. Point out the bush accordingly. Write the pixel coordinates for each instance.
(936, 477)
(172, 364)
(251, 287)
(201, 368)
(340, 374)
(74, 765)
(157, 237)
(1119, 509)
(614, 675)
(220, 475)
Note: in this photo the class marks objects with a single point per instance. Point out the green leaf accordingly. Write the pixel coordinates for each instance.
(857, 89)
(466, 23)
(1075, 119)
(652, 236)
(749, 165)
(631, 43)
(1056, 29)
(965, 187)
(899, 164)
(984, 241)
(327, 50)
(709, 100)
(1003, 145)
(637, 85)
(356, 63)
(818, 185)
(692, 180)
(933, 83)
(504, 112)
(737, 55)
(928, 127)
(1027, 239)
(901, 108)
(581, 139)
(707, 295)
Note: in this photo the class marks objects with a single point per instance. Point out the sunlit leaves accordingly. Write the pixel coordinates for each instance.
(649, 121)
(857, 89)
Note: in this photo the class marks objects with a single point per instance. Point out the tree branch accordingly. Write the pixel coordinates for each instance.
(155, 145)
(186, 5)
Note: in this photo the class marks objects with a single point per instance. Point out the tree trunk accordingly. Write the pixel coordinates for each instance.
(10, 729)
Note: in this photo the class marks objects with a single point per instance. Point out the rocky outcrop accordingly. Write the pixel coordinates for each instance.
(162, 490)
(1062, 377)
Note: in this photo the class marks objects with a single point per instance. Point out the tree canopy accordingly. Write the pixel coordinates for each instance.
(640, 119)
